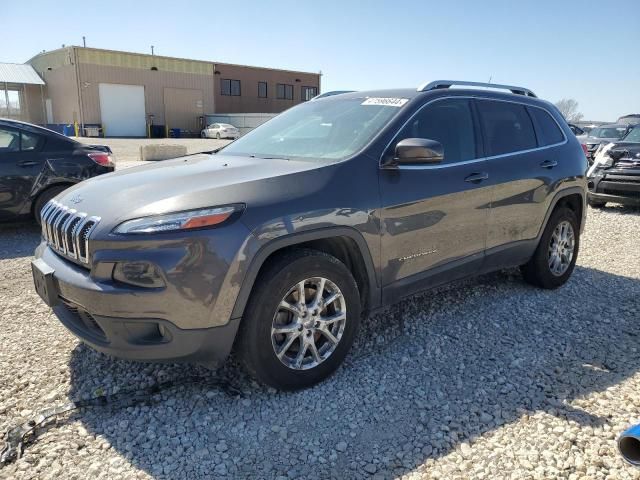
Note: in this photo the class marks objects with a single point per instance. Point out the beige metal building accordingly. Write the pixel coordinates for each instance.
(124, 93)
(20, 92)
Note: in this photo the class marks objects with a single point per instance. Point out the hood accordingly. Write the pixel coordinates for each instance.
(185, 183)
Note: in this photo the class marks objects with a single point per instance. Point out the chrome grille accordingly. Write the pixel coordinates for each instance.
(67, 231)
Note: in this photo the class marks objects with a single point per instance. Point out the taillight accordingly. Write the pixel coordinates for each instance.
(101, 158)
(585, 149)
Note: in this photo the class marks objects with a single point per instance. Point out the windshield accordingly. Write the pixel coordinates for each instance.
(608, 132)
(633, 136)
(331, 129)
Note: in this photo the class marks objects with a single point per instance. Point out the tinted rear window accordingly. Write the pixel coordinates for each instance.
(548, 129)
(507, 127)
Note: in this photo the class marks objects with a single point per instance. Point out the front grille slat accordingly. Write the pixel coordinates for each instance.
(68, 231)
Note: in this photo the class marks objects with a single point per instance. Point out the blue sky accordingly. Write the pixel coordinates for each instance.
(587, 50)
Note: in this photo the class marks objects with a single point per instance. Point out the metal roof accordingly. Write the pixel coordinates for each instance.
(19, 73)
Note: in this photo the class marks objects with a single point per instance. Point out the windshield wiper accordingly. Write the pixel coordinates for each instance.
(270, 158)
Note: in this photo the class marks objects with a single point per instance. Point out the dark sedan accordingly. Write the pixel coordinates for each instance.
(36, 164)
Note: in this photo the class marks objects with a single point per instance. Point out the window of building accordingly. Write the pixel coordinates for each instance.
(449, 122)
(284, 91)
(507, 127)
(548, 131)
(230, 87)
(307, 93)
(262, 89)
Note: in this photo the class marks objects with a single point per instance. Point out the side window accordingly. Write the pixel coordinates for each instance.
(507, 127)
(9, 141)
(548, 131)
(449, 122)
(30, 142)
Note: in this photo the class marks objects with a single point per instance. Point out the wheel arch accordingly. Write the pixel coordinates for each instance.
(35, 198)
(575, 199)
(344, 243)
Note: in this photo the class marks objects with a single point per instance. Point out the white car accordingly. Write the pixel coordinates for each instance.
(220, 130)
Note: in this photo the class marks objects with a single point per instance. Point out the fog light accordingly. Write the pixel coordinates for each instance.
(140, 274)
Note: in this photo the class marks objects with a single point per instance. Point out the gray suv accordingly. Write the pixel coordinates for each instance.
(278, 244)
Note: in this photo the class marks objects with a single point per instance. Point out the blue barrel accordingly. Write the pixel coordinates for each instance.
(68, 130)
(174, 133)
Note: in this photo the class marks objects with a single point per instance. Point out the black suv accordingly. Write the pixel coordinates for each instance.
(615, 173)
(279, 242)
(36, 164)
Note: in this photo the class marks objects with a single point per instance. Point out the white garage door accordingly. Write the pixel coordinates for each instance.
(122, 110)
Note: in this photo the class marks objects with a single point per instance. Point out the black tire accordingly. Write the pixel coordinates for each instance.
(537, 271)
(218, 136)
(44, 197)
(255, 347)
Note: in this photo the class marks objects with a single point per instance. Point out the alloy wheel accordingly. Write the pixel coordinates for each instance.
(309, 323)
(561, 248)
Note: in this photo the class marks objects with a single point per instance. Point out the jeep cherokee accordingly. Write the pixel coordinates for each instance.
(277, 244)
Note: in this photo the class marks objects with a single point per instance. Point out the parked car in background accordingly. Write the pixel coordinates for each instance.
(277, 243)
(580, 134)
(615, 173)
(36, 164)
(632, 119)
(220, 130)
(602, 135)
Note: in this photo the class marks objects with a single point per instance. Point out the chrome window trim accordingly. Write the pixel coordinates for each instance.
(473, 160)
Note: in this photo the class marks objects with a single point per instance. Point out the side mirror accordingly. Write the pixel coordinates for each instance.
(417, 151)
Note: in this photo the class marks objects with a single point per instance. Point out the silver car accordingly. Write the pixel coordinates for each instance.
(604, 134)
(220, 130)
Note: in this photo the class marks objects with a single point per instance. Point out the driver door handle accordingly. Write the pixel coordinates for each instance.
(476, 177)
(549, 164)
(28, 163)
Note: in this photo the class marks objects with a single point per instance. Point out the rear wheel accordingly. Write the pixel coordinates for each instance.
(44, 197)
(555, 258)
(218, 135)
(203, 134)
(301, 320)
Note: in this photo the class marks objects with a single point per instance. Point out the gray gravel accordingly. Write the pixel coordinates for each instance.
(489, 379)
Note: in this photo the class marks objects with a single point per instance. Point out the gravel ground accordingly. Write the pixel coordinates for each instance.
(489, 378)
(127, 150)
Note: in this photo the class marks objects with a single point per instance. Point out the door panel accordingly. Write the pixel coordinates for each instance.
(122, 110)
(433, 218)
(20, 164)
(519, 182)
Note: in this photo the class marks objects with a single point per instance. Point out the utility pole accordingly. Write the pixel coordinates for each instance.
(151, 49)
(84, 42)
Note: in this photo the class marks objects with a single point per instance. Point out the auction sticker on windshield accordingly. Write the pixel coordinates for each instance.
(388, 102)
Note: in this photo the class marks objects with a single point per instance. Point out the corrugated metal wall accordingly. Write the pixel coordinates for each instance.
(154, 83)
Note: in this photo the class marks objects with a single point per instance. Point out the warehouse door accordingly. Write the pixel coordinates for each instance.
(122, 110)
(182, 107)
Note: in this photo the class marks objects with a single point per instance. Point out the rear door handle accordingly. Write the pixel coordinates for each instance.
(28, 163)
(549, 164)
(476, 177)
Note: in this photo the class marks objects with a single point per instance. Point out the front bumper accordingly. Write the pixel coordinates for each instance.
(174, 323)
(617, 186)
(153, 340)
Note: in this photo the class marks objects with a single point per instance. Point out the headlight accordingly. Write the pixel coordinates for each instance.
(205, 217)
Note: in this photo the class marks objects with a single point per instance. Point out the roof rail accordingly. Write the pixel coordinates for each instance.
(437, 84)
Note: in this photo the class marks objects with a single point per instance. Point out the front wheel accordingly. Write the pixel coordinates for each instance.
(218, 136)
(301, 320)
(556, 254)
